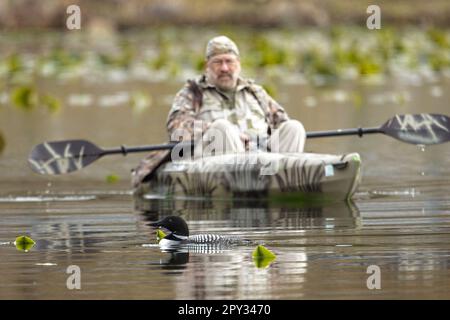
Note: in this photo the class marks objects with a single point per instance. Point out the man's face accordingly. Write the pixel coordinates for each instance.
(223, 70)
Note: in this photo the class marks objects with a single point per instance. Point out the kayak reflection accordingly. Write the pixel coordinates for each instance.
(250, 217)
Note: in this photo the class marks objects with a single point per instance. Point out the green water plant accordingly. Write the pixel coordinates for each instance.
(439, 60)
(162, 60)
(24, 97)
(369, 66)
(64, 59)
(267, 54)
(52, 103)
(198, 61)
(121, 59)
(24, 243)
(263, 257)
(160, 235)
(14, 63)
(439, 37)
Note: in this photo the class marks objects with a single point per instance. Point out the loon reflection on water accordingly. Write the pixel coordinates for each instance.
(235, 215)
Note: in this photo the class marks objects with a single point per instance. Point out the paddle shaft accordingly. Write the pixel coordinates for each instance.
(125, 150)
(344, 132)
(315, 134)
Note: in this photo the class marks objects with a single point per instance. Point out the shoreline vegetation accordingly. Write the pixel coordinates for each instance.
(125, 14)
(311, 55)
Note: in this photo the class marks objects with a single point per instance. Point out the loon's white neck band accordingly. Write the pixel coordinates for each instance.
(176, 237)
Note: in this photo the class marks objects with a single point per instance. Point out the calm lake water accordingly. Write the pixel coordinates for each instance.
(399, 219)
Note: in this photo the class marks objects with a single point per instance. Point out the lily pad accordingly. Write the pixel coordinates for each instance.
(159, 235)
(24, 97)
(24, 243)
(52, 103)
(263, 257)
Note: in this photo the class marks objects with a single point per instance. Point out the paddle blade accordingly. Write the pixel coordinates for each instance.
(60, 157)
(420, 129)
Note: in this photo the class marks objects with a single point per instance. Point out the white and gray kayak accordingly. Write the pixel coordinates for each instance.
(296, 176)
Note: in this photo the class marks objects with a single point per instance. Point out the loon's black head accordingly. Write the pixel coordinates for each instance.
(174, 224)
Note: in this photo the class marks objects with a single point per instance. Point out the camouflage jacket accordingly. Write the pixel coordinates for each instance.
(251, 109)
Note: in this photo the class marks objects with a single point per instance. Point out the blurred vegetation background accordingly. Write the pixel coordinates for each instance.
(128, 43)
(137, 41)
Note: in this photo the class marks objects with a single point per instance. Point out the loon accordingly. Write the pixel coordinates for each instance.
(179, 237)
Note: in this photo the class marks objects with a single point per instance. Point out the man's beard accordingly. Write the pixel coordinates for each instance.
(224, 81)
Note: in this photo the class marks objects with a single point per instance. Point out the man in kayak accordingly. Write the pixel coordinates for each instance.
(233, 112)
(221, 107)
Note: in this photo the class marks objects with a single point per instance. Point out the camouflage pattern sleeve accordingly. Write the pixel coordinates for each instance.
(182, 117)
(275, 114)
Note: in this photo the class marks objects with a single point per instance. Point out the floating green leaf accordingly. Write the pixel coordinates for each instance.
(112, 178)
(52, 103)
(263, 257)
(24, 243)
(159, 235)
(24, 97)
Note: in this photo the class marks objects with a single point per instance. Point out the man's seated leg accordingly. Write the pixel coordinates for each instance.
(221, 137)
(289, 137)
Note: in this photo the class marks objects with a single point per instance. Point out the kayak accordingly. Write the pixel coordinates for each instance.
(304, 177)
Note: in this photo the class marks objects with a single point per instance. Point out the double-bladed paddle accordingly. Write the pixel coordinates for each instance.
(60, 157)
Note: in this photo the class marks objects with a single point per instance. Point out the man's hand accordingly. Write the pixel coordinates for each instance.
(245, 138)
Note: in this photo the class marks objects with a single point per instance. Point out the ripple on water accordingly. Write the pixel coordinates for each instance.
(46, 198)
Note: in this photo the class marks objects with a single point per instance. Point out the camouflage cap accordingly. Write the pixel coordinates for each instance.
(221, 45)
